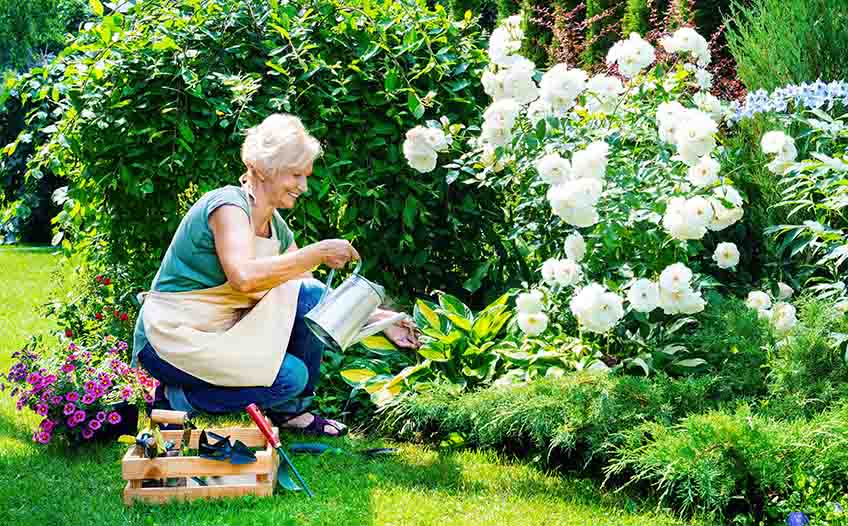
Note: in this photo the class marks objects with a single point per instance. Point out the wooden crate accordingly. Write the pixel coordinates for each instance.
(226, 480)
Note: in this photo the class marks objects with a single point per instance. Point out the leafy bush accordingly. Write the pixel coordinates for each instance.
(31, 31)
(571, 420)
(777, 43)
(357, 73)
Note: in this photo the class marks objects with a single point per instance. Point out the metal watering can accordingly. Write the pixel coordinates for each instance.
(339, 318)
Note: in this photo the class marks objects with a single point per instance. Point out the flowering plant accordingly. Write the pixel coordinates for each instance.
(76, 390)
(621, 184)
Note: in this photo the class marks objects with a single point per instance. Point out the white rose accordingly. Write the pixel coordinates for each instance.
(632, 55)
(561, 86)
(644, 295)
(692, 303)
(699, 212)
(495, 135)
(518, 84)
(502, 45)
(581, 217)
(779, 165)
(591, 161)
(538, 110)
(675, 277)
(489, 158)
(532, 324)
(704, 79)
(777, 142)
(687, 219)
(596, 309)
(726, 255)
(549, 270)
(758, 300)
(530, 302)
(575, 247)
(567, 272)
(683, 301)
(783, 317)
(436, 139)
(493, 84)
(710, 105)
(705, 173)
(784, 291)
(724, 215)
(502, 113)
(603, 92)
(553, 168)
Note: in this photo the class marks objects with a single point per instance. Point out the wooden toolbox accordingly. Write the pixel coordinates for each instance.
(223, 479)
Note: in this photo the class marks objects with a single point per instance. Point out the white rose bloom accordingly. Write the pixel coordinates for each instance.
(699, 212)
(603, 92)
(575, 247)
(695, 136)
(561, 86)
(495, 135)
(632, 55)
(710, 105)
(675, 278)
(532, 324)
(704, 79)
(567, 272)
(502, 45)
(578, 193)
(435, 139)
(596, 309)
(549, 270)
(591, 162)
(692, 303)
(684, 301)
(418, 148)
(502, 113)
(422, 163)
(776, 142)
(705, 173)
(783, 317)
(687, 40)
(539, 109)
(518, 83)
(493, 84)
(530, 302)
(513, 25)
(758, 300)
(779, 165)
(553, 168)
(644, 295)
(726, 255)
(687, 219)
(784, 291)
(724, 216)
(669, 117)
(581, 217)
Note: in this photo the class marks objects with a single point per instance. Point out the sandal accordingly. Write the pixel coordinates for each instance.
(318, 426)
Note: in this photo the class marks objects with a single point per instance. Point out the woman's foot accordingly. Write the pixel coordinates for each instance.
(311, 424)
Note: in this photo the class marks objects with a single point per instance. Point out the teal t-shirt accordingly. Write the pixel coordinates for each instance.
(191, 262)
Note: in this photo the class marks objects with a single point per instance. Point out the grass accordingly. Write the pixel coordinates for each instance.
(420, 486)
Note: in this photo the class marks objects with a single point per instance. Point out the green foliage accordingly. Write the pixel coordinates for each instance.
(635, 17)
(358, 74)
(538, 36)
(573, 419)
(487, 10)
(809, 370)
(33, 30)
(459, 346)
(602, 30)
(507, 8)
(776, 43)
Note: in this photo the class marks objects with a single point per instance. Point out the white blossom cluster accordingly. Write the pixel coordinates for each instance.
(673, 292)
(422, 146)
(566, 272)
(692, 131)
(596, 308)
(687, 40)
(577, 186)
(532, 319)
(632, 55)
(780, 313)
(782, 147)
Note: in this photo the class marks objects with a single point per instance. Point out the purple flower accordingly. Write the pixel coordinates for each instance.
(98, 392)
(68, 368)
(101, 415)
(33, 378)
(41, 409)
(87, 434)
(55, 400)
(86, 356)
(90, 385)
(44, 437)
(94, 425)
(88, 398)
(69, 409)
(50, 379)
(126, 393)
(73, 396)
(47, 425)
(114, 418)
(122, 345)
(72, 346)
(79, 416)
(20, 404)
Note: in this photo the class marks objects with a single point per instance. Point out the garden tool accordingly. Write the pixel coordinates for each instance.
(339, 318)
(222, 449)
(283, 477)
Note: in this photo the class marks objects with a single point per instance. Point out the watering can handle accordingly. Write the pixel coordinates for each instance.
(377, 326)
(329, 283)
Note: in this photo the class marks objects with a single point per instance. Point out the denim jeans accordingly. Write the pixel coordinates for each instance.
(291, 392)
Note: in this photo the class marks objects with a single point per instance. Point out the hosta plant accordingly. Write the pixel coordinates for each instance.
(458, 345)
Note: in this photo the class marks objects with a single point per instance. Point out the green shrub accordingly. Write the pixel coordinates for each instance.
(778, 42)
(636, 17)
(32, 30)
(487, 10)
(359, 74)
(603, 32)
(808, 370)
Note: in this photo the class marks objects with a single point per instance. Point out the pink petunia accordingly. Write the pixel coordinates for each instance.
(50, 379)
(33, 378)
(90, 385)
(126, 392)
(94, 425)
(47, 425)
(114, 418)
(69, 409)
(72, 396)
(88, 398)
(79, 416)
(56, 400)
(87, 434)
(148, 398)
(71, 422)
(101, 415)
(44, 437)
(41, 409)
(68, 368)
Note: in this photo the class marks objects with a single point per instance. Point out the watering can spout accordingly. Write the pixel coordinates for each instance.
(378, 326)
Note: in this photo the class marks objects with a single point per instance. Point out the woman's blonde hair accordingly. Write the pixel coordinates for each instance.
(279, 143)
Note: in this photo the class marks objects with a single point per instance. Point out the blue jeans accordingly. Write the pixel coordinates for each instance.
(291, 392)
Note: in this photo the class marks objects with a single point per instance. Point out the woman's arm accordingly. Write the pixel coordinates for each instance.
(246, 273)
(293, 248)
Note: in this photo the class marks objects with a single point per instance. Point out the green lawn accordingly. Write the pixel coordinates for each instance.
(56, 486)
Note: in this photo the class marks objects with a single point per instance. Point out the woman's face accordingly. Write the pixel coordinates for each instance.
(284, 187)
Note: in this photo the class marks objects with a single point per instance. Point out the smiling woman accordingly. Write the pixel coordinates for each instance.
(222, 326)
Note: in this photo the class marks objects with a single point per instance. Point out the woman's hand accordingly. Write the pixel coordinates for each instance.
(336, 253)
(404, 334)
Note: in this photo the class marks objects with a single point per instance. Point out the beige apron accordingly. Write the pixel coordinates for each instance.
(223, 336)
